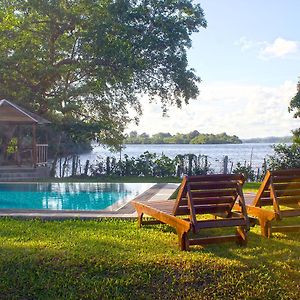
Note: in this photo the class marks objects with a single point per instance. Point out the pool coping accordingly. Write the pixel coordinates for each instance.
(159, 191)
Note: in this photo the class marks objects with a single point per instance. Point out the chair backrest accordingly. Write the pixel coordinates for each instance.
(208, 194)
(279, 188)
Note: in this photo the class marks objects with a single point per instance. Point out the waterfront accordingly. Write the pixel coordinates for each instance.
(254, 152)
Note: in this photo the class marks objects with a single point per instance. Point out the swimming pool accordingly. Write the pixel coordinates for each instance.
(69, 196)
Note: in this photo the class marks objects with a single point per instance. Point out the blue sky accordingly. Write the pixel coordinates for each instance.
(248, 58)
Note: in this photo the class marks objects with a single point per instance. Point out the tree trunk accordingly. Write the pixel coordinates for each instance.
(53, 167)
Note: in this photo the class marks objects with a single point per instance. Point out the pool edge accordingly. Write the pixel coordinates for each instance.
(164, 190)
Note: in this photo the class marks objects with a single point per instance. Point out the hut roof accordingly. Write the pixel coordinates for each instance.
(11, 113)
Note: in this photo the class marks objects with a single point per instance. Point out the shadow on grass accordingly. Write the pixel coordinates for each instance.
(113, 259)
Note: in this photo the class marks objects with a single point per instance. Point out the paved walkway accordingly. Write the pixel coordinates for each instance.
(161, 191)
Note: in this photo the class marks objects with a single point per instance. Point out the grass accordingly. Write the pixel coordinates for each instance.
(112, 259)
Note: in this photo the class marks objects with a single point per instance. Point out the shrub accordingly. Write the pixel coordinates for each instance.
(285, 157)
(247, 171)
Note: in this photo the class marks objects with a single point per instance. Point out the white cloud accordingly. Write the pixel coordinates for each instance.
(245, 44)
(280, 48)
(244, 110)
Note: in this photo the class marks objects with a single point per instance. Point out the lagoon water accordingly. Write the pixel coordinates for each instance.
(254, 152)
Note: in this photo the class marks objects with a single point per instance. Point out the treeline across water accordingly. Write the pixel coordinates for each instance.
(194, 137)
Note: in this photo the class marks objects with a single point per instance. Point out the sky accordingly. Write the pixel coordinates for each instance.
(248, 59)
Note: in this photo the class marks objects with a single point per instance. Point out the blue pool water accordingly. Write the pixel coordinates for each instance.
(69, 196)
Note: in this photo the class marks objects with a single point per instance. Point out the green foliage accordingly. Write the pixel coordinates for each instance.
(151, 164)
(12, 147)
(221, 138)
(83, 63)
(112, 259)
(247, 171)
(285, 157)
(194, 137)
(295, 106)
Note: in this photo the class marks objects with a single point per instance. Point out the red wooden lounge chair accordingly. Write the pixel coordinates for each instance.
(277, 198)
(198, 197)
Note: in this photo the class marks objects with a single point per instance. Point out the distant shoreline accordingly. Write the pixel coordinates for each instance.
(271, 139)
(197, 138)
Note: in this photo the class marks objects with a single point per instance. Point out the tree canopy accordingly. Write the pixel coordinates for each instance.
(193, 137)
(83, 64)
(295, 106)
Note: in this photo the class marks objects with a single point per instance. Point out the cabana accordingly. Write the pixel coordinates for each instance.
(12, 119)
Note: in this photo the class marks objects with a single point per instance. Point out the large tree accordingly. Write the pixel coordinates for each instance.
(295, 106)
(84, 63)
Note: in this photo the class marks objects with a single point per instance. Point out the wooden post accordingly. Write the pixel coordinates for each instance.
(34, 158)
(225, 165)
(18, 150)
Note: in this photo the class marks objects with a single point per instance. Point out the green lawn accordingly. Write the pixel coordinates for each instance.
(112, 259)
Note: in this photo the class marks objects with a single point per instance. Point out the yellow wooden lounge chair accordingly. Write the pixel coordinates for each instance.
(198, 196)
(277, 198)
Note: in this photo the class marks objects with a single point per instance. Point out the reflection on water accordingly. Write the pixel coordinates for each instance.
(69, 196)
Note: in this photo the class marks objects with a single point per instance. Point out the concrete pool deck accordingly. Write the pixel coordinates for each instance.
(159, 191)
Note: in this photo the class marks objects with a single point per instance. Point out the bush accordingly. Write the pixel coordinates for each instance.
(151, 164)
(285, 157)
(247, 171)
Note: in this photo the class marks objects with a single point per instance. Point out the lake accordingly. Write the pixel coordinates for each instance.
(255, 152)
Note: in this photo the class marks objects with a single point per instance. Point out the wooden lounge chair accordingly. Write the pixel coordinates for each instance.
(277, 198)
(198, 196)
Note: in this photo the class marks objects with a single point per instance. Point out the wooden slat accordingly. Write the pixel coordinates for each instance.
(266, 194)
(210, 200)
(286, 186)
(260, 212)
(290, 213)
(288, 200)
(165, 206)
(231, 222)
(180, 195)
(213, 193)
(266, 202)
(204, 209)
(274, 198)
(161, 216)
(191, 206)
(263, 187)
(282, 193)
(286, 179)
(288, 172)
(215, 177)
(213, 185)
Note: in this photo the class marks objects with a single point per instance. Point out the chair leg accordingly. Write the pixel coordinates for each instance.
(242, 237)
(140, 219)
(265, 226)
(183, 240)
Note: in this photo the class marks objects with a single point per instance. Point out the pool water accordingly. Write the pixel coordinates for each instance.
(69, 196)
